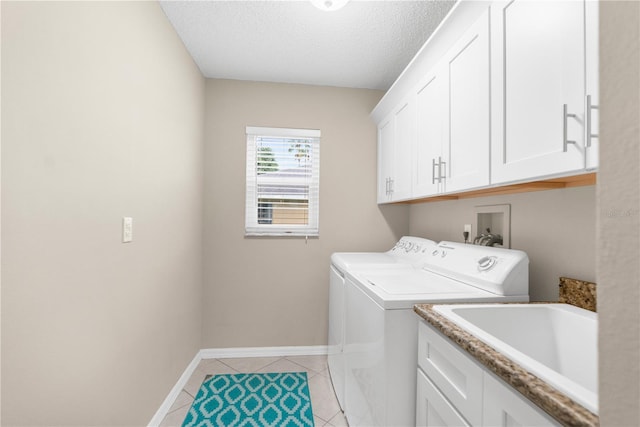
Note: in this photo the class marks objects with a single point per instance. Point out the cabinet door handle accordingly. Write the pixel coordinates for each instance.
(433, 171)
(565, 116)
(587, 126)
(386, 186)
(391, 185)
(442, 165)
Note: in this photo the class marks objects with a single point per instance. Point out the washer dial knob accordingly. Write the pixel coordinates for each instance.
(486, 263)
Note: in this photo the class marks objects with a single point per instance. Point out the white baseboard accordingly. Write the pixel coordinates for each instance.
(221, 353)
(175, 391)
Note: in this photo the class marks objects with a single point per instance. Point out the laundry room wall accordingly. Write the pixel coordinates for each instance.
(102, 117)
(556, 228)
(618, 196)
(266, 291)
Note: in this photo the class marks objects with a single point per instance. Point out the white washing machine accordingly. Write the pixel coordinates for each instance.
(381, 329)
(408, 252)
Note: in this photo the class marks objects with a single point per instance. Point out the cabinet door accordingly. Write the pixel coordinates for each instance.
(593, 99)
(537, 70)
(385, 158)
(452, 371)
(432, 408)
(504, 407)
(469, 108)
(431, 107)
(403, 144)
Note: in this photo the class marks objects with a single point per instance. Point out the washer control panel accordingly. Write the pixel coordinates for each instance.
(497, 270)
(413, 248)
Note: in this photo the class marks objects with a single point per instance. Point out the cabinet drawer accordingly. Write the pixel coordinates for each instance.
(452, 371)
(432, 408)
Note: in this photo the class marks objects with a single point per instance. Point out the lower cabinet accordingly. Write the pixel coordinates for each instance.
(432, 408)
(453, 389)
(505, 407)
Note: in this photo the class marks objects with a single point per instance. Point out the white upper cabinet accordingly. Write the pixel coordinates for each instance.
(538, 89)
(385, 159)
(452, 102)
(592, 97)
(396, 137)
(431, 103)
(403, 151)
(504, 91)
(467, 66)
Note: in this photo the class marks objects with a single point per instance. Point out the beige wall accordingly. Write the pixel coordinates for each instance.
(555, 228)
(619, 214)
(273, 291)
(102, 113)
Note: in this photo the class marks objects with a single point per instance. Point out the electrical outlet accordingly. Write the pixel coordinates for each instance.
(467, 233)
(127, 229)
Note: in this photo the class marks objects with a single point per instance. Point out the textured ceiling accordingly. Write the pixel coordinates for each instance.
(366, 44)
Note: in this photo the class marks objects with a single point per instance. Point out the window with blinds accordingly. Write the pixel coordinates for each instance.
(283, 180)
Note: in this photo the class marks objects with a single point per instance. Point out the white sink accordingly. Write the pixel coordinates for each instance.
(555, 342)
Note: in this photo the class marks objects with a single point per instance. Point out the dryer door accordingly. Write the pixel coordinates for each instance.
(364, 349)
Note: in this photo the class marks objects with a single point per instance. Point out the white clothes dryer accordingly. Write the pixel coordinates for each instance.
(408, 252)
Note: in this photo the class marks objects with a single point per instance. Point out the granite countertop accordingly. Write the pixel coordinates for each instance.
(578, 292)
(556, 404)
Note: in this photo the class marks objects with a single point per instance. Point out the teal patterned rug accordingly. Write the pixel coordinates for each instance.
(252, 400)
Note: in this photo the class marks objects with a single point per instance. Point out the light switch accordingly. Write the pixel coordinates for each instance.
(127, 229)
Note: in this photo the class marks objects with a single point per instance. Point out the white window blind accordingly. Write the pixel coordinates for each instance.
(283, 181)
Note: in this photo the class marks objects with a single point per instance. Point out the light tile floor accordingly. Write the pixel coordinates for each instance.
(326, 411)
